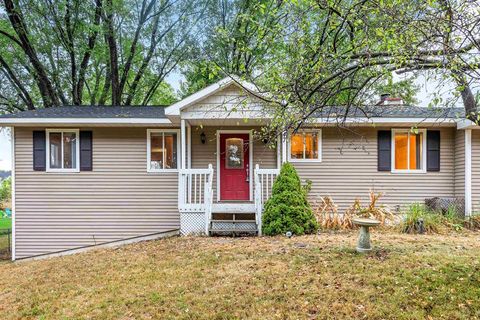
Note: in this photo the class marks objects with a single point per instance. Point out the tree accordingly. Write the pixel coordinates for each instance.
(340, 52)
(236, 36)
(288, 209)
(6, 190)
(72, 52)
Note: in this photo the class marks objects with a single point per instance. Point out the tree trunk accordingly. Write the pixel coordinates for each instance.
(113, 53)
(47, 91)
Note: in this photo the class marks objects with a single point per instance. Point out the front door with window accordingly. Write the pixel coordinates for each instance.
(234, 166)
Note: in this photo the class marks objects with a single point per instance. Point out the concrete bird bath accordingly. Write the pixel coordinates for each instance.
(363, 244)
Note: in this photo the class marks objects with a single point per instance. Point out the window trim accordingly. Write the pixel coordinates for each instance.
(319, 144)
(149, 148)
(77, 160)
(424, 151)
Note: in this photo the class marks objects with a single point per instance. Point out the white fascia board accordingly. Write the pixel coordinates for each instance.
(174, 109)
(82, 121)
(362, 121)
(464, 124)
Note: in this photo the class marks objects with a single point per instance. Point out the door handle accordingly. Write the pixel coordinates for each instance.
(248, 174)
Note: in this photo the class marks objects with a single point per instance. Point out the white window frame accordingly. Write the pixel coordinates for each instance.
(77, 160)
(424, 151)
(319, 144)
(149, 148)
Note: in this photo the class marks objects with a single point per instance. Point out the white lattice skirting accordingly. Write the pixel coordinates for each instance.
(192, 223)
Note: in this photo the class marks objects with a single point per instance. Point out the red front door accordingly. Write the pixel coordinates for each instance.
(234, 166)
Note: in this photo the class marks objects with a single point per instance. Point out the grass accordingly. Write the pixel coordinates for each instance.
(308, 277)
(5, 223)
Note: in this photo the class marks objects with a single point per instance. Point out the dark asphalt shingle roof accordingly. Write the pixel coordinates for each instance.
(391, 111)
(158, 112)
(92, 112)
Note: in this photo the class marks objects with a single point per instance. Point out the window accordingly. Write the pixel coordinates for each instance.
(408, 150)
(163, 146)
(63, 150)
(234, 153)
(305, 146)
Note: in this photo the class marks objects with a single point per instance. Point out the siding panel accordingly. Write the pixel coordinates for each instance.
(117, 200)
(460, 163)
(475, 171)
(349, 170)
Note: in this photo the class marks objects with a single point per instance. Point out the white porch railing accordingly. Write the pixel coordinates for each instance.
(264, 179)
(195, 194)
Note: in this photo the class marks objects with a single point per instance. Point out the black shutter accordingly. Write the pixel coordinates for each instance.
(86, 147)
(384, 150)
(39, 151)
(433, 150)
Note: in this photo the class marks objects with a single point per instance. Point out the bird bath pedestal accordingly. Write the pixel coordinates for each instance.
(363, 244)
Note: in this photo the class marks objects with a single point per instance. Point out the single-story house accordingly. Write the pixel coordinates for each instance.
(88, 175)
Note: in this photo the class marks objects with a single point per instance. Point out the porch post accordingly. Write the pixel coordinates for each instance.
(468, 172)
(189, 146)
(284, 147)
(279, 151)
(183, 151)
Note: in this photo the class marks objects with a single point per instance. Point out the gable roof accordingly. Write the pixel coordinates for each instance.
(92, 112)
(391, 111)
(174, 109)
(88, 115)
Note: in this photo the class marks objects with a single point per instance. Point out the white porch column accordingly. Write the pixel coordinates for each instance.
(14, 214)
(284, 147)
(279, 151)
(183, 151)
(468, 172)
(189, 146)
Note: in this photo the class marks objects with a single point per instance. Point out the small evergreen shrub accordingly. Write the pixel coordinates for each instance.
(288, 208)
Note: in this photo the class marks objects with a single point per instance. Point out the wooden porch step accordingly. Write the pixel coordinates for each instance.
(233, 208)
(233, 227)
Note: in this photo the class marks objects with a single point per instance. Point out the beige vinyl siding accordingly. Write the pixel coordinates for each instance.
(117, 200)
(204, 154)
(229, 99)
(349, 170)
(460, 164)
(475, 171)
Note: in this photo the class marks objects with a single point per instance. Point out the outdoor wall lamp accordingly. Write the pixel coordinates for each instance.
(203, 138)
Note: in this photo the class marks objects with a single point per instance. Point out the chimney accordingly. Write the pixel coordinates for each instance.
(386, 100)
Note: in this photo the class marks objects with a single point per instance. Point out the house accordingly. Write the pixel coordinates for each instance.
(89, 176)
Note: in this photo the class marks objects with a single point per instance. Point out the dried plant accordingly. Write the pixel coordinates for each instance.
(328, 217)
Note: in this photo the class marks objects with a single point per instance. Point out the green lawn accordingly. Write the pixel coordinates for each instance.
(5, 223)
(310, 277)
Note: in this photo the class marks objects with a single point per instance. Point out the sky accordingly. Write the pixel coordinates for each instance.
(424, 95)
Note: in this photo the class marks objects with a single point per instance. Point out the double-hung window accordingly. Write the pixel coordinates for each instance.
(163, 150)
(409, 150)
(306, 146)
(63, 150)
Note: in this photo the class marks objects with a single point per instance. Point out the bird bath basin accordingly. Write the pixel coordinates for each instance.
(363, 244)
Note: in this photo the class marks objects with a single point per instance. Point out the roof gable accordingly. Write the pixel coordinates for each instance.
(174, 110)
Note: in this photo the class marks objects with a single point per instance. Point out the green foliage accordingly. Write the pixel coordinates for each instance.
(6, 190)
(288, 208)
(69, 38)
(405, 89)
(199, 75)
(415, 214)
(433, 222)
